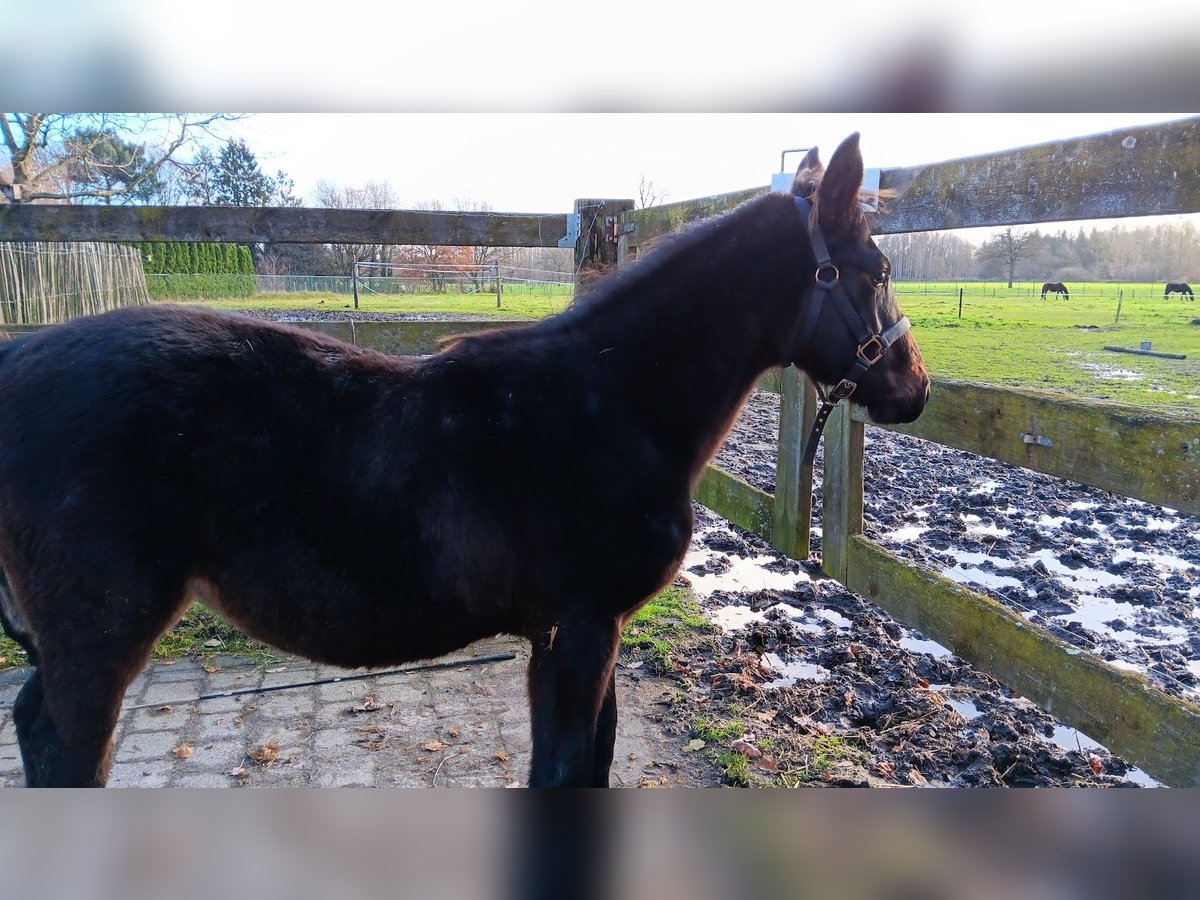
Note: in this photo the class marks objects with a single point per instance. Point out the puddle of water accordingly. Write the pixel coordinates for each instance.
(907, 533)
(1153, 524)
(968, 575)
(922, 645)
(1084, 504)
(836, 618)
(1093, 612)
(986, 487)
(1160, 560)
(731, 618)
(1109, 372)
(1052, 521)
(747, 574)
(792, 671)
(1079, 579)
(988, 530)
(964, 708)
(972, 558)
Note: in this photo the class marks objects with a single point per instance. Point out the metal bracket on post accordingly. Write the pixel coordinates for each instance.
(568, 242)
(614, 230)
(1040, 440)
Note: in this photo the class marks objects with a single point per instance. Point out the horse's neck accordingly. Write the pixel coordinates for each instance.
(694, 331)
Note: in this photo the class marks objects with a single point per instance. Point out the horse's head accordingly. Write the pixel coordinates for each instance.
(850, 326)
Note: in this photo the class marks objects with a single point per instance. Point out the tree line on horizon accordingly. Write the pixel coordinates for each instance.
(1165, 251)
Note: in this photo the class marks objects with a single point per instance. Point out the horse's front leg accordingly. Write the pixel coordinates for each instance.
(570, 683)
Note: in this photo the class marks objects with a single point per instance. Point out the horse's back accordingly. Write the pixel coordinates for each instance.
(146, 426)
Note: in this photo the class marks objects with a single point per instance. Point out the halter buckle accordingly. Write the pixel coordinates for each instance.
(841, 391)
(874, 344)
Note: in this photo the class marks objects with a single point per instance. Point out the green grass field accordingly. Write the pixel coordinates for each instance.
(1014, 338)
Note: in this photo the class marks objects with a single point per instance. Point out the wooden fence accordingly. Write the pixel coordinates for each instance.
(1130, 172)
(52, 281)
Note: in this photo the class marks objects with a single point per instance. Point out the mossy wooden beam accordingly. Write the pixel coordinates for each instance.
(1147, 170)
(1120, 709)
(295, 225)
(732, 498)
(1152, 456)
(656, 221)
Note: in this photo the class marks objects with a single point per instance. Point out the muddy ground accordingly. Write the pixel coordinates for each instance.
(1113, 576)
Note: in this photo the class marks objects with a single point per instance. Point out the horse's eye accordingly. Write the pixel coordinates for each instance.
(881, 279)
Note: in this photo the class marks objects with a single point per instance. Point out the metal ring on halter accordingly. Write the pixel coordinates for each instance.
(876, 344)
(825, 267)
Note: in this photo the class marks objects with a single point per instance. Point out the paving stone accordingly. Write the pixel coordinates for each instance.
(158, 718)
(139, 775)
(287, 704)
(148, 745)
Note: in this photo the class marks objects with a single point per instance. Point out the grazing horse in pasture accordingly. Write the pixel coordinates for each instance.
(1178, 287)
(1055, 287)
(366, 510)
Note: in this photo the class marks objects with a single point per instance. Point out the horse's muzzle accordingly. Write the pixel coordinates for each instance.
(896, 410)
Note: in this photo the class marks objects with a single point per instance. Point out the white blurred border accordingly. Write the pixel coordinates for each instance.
(541, 56)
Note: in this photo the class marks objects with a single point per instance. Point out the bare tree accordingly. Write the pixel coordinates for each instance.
(374, 195)
(1009, 246)
(483, 256)
(647, 195)
(46, 151)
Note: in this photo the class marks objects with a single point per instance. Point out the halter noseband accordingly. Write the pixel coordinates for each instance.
(871, 347)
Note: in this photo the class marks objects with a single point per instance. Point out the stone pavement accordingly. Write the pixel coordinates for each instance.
(462, 726)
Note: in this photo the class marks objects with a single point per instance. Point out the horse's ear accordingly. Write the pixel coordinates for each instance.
(808, 176)
(837, 197)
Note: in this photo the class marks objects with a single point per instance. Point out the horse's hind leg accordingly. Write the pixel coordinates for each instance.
(66, 713)
(570, 679)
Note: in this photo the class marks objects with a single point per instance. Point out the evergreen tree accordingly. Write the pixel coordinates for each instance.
(239, 181)
(105, 168)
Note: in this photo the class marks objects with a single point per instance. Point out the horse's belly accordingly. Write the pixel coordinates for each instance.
(345, 628)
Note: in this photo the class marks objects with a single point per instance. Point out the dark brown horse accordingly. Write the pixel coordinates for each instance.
(1055, 287)
(1178, 287)
(365, 510)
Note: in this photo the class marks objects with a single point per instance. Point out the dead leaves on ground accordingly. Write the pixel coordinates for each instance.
(264, 755)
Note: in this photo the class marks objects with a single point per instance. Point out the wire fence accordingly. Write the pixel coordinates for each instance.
(392, 279)
(52, 282)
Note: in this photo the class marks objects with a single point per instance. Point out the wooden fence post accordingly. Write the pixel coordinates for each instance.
(600, 228)
(842, 515)
(793, 482)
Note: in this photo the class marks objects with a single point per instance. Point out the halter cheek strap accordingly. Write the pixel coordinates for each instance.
(871, 347)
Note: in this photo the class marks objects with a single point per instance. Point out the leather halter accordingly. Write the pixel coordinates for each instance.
(871, 346)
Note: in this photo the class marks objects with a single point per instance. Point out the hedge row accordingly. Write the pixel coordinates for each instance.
(195, 287)
(189, 257)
